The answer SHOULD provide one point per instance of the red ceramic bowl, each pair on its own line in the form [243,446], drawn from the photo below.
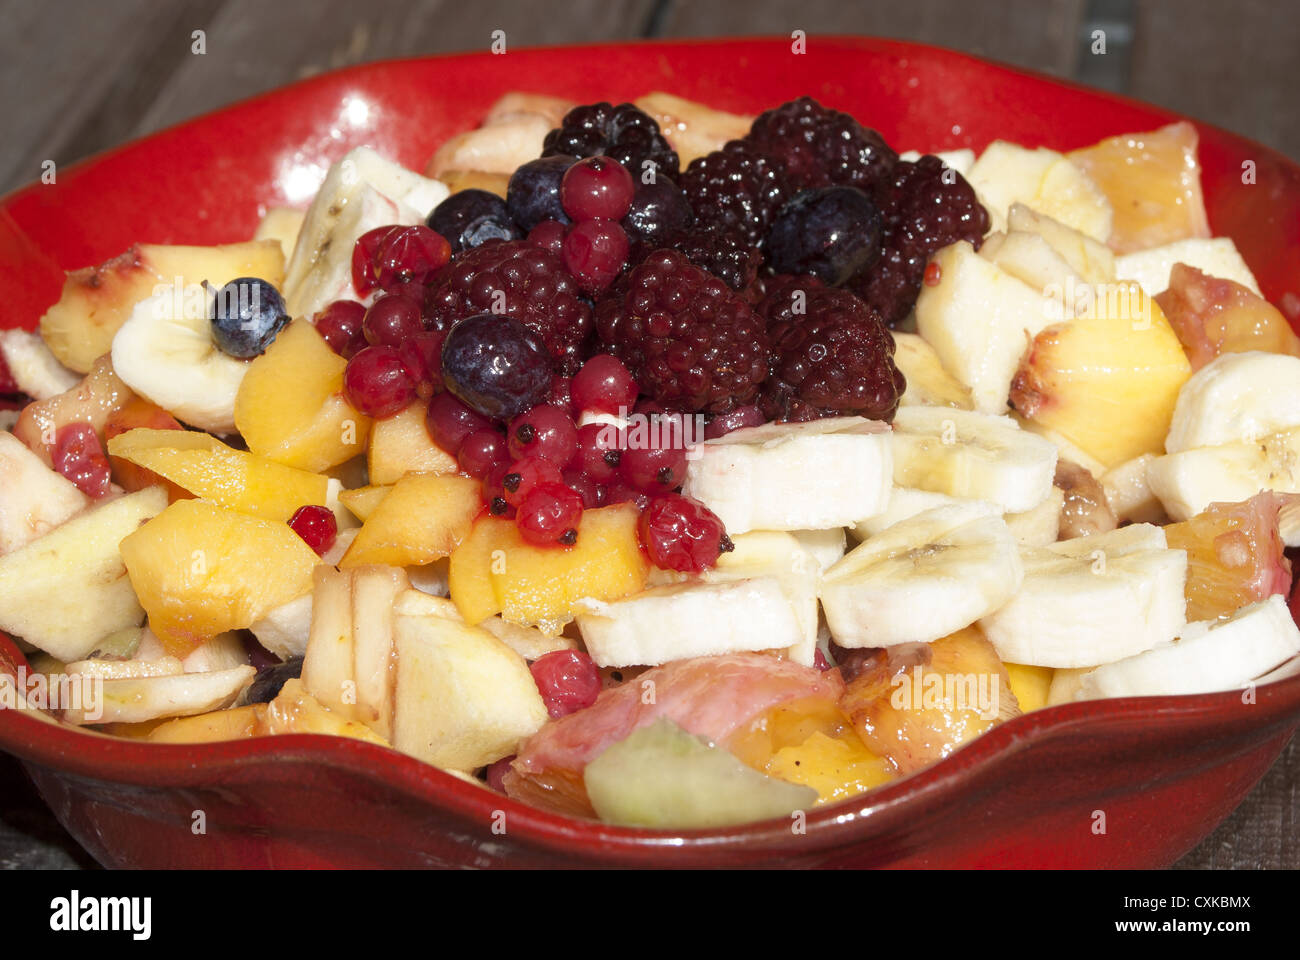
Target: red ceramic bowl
[1119,783]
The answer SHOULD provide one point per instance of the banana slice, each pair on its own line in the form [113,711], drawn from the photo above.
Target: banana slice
[681,621]
[794,476]
[928,383]
[825,546]
[976,456]
[1188,482]
[1128,491]
[35,370]
[1092,600]
[1207,656]
[1040,526]
[169,357]
[1032,528]
[362,191]
[1235,397]
[922,578]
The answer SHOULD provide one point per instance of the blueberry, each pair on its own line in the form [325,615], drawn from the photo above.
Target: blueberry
[496,365]
[831,233]
[266,685]
[534,191]
[659,209]
[472,217]
[247,314]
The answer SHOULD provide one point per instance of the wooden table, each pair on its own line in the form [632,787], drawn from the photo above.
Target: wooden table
[79,76]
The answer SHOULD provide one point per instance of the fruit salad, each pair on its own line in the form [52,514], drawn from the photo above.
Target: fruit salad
[661,465]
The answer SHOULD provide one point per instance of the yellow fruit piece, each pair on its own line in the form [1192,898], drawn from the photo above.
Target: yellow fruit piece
[540,585]
[692,128]
[281,224]
[363,500]
[422,519]
[231,478]
[458,180]
[1108,380]
[290,407]
[238,723]
[97,300]
[200,570]
[295,710]
[1030,685]
[1153,182]
[836,769]
[400,445]
[1213,316]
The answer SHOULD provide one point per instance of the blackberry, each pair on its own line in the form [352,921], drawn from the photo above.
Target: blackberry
[926,207]
[623,132]
[690,342]
[835,359]
[732,261]
[819,147]
[518,279]
[736,190]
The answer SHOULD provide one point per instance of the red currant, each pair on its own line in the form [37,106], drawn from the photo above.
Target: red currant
[79,456]
[594,252]
[599,451]
[682,534]
[449,422]
[592,493]
[390,257]
[604,384]
[549,514]
[525,474]
[422,354]
[597,188]
[562,395]
[653,469]
[544,431]
[482,451]
[568,680]
[340,325]
[378,383]
[550,235]
[391,320]
[620,492]
[317,526]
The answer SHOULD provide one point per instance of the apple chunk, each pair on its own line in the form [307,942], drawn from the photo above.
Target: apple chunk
[67,590]
[464,699]
[33,498]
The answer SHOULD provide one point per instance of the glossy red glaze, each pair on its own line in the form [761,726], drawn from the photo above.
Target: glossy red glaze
[1163,771]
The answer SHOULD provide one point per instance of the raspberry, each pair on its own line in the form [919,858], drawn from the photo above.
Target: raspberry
[690,342]
[731,260]
[521,280]
[736,190]
[922,214]
[837,358]
[623,132]
[819,147]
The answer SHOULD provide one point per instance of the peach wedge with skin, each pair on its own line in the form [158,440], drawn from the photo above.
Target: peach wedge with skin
[290,407]
[422,519]
[1107,381]
[200,570]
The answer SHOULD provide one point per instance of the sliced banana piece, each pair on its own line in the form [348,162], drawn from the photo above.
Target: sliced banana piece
[35,370]
[1235,397]
[825,546]
[922,578]
[928,383]
[972,455]
[907,502]
[794,476]
[1040,526]
[362,191]
[1092,600]
[1129,493]
[172,360]
[1188,482]
[1209,655]
[686,620]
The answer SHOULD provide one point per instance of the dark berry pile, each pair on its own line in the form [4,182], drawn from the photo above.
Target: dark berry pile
[924,211]
[819,147]
[755,285]
[831,355]
[623,132]
[737,190]
[690,341]
[521,280]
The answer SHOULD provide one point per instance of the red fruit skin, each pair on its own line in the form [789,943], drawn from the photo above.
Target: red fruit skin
[79,456]
[562,396]
[599,452]
[604,385]
[317,526]
[482,452]
[391,320]
[449,422]
[340,324]
[549,514]
[595,251]
[597,188]
[592,493]
[549,235]
[522,475]
[550,433]
[390,257]
[378,383]
[363,258]
[655,470]
[568,681]
[682,534]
